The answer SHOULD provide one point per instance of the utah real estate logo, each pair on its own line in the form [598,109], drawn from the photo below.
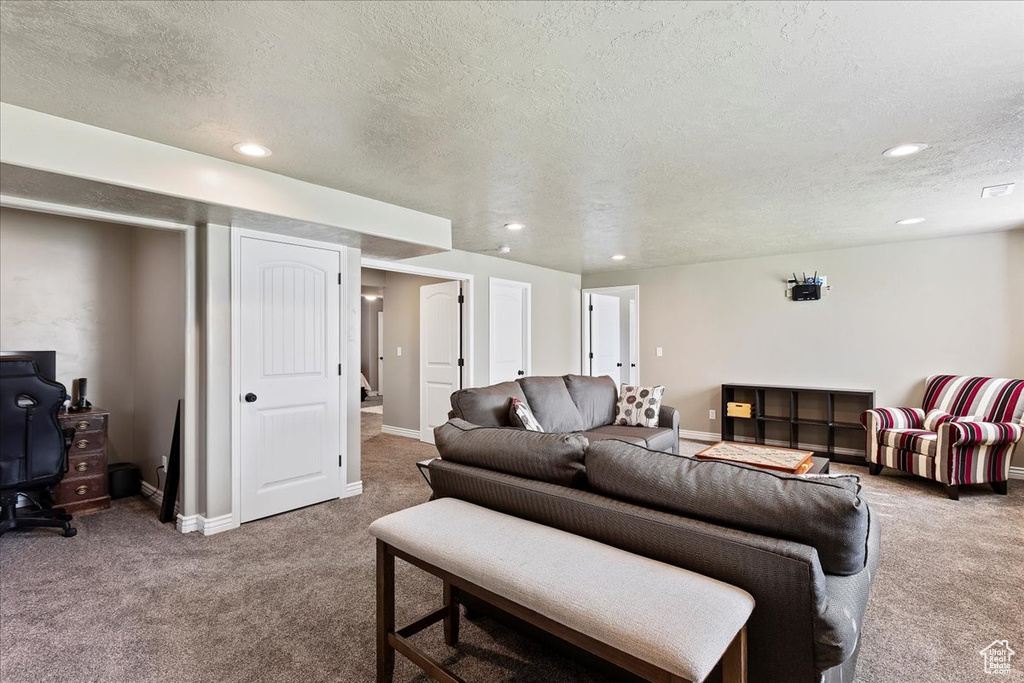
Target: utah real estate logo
[997,657]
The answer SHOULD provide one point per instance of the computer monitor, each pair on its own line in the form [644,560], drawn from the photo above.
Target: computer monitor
[46,361]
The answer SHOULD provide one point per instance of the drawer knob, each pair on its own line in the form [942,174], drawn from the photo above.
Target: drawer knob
[82,490]
[84,424]
[82,443]
[82,466]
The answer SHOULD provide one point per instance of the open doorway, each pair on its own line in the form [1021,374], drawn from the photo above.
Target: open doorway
[415,343]
[611,333]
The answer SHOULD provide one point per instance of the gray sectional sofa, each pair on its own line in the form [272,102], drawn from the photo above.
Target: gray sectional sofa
[805,548]
[573,403]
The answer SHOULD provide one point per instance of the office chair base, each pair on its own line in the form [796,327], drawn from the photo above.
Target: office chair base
[50,518]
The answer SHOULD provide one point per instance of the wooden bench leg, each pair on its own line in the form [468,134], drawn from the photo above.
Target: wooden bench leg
[385,613]
[451,619]
[734,661]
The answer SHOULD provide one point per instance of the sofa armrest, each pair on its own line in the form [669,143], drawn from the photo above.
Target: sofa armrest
[969,433]
[892,418]
[669,417]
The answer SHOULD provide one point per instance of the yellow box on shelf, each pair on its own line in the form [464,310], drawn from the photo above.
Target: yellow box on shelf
[737,409]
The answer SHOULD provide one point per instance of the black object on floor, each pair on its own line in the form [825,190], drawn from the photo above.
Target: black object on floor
[123,480]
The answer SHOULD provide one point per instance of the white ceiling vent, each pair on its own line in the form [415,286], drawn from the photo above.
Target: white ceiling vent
[997,190]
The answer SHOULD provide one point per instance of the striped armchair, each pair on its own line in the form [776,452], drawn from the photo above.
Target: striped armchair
[965,433]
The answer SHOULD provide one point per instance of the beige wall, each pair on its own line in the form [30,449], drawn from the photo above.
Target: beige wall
[402,329]
[67,285]
[110,300]
[158,329]
[897,313]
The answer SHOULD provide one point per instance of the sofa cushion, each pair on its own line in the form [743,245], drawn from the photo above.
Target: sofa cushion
[827,514]
[486,406]
[554,458]
[595,398]
[551,404]
[916,440]
[657,438]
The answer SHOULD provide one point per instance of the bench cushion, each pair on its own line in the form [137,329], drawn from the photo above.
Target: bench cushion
[826,513]
[554,458]
[672,618]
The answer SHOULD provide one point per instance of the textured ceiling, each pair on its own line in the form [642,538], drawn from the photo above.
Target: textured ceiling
[668,132]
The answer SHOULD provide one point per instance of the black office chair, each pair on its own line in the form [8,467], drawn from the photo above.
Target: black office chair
[33,447]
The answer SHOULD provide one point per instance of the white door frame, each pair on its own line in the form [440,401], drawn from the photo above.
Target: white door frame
[236,356]
[585,324]
[188,492]
[468,290]
[527,330]
[380,353]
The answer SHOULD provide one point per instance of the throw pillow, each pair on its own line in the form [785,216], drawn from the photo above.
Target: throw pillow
[639,406]
[934,418]
[520,415]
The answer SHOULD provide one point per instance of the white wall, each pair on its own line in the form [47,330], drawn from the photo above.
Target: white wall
[67,285]
[897,313]
[158,325]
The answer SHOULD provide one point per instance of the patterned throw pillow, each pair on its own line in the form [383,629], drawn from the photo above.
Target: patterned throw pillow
[639,406]
[936,417]
[520,415]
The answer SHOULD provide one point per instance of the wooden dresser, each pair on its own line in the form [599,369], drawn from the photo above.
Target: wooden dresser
[84,487]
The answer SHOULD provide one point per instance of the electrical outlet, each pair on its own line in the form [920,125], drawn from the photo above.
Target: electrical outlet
[658,352]
[713,414]
[163,463]
[399,351]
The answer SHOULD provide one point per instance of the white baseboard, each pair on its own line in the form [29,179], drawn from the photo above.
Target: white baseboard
[155,496]
[1017,473]
[208,526]
[187,523]
[353,489]
[713,437]
[401,431]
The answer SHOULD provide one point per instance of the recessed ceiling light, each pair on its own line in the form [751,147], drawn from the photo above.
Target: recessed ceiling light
[369,297]
[618,257]
[904,149]
[910,221]
[252,149]
[996,190]
[504,249]
[514,226]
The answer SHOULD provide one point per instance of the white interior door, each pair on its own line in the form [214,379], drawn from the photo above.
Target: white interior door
[291,401]
[380,352]
[509,330]
[605,336]
[440,373]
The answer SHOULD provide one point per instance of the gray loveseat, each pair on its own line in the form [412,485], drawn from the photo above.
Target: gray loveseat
[573,403]
[806,548]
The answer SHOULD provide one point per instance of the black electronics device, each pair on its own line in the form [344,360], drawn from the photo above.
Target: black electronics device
[806,292]
[123,479]
[81,402]
[46,361]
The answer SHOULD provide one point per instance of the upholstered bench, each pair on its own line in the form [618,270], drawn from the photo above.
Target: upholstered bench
[658,621]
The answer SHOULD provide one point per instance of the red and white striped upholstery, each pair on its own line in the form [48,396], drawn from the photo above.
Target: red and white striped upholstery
[966,432]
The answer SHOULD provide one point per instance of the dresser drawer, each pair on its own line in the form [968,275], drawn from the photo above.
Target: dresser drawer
[90,442]
[85,465]
[74,490]
[84,422]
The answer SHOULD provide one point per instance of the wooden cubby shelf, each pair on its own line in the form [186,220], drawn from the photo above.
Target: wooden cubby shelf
[816,409]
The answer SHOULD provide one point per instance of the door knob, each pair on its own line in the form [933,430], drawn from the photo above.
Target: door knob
[632,365]
[520,372]
[618,365]
[381,358]
[250,397]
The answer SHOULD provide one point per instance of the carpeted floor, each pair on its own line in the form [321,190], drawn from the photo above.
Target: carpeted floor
[291,598]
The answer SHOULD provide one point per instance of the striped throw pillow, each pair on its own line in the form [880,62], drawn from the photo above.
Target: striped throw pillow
[520,415]
[934,418]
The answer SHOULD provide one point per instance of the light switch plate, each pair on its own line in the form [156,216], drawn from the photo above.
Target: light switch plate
[658,351]
[399,350]
[713,414]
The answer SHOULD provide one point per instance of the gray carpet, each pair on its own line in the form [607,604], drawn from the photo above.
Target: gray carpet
[290,598]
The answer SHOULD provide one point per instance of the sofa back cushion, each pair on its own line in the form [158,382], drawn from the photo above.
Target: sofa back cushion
[486,406]
[594,397]
[988,399]
[826,513]
[551,404]
[554,458]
